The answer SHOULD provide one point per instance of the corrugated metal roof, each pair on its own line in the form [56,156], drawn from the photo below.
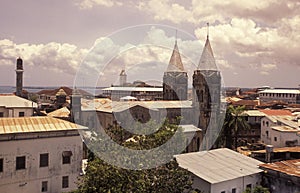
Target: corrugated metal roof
[254,113]
[106,105]
[13,101]
[35,124]
[218,165]
[276,112]
[290,167]
[280,149]
[62,112]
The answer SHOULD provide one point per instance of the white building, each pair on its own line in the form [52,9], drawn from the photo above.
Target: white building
[14,106]
[39,154]
[221,170]
[291,96]
[280,131]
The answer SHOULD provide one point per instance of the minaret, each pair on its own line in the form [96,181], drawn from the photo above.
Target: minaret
[123,78]
[175,80]
[206,95]
[19,77]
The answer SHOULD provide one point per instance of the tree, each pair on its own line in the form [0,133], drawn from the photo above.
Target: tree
[257,189]
[234,122]
[103,177]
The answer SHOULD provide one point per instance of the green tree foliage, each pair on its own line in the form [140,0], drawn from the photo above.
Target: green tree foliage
[103,177]
[234,123]
[257,189]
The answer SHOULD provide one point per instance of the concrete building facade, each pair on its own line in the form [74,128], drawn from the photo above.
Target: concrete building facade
[39,154]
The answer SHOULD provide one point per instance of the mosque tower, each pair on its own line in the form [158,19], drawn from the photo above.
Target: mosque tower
[19,77]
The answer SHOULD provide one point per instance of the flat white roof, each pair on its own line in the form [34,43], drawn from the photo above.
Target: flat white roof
[281,91]
[131,89]
[13,101]
[218,165]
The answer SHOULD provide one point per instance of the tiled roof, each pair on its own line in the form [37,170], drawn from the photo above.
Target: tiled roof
[289,167]
[218,165]
[35,124]
[175,63]
[207,60]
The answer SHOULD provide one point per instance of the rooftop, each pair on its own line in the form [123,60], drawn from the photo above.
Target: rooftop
[62,112]
[106,105]
[281,91]
[13,101]
[218,165]
[35,124]
[289,167]
[137,89]
[280,149]
[272,112]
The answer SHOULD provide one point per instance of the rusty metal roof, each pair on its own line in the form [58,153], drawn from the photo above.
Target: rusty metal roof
[281,149]
[35,124]
[289,167]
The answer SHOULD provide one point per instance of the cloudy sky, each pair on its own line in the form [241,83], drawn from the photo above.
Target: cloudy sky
[256,43]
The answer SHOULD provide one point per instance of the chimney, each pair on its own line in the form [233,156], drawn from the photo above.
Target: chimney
[269,151]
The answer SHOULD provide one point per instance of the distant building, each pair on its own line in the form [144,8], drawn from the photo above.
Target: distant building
[290,96]
[115,93]
[283,176]
[15,106]
[39,154]
[280,130]
[221,170]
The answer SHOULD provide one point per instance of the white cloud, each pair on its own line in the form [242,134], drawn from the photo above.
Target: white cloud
[52,56]
[88,4]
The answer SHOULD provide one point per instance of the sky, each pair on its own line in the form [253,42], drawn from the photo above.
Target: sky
[88,42]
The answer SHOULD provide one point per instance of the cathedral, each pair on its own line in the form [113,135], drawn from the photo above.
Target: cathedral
[206,89]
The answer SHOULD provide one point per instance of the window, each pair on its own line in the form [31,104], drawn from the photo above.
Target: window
[248,186]
[66,157]
[223,192]
[267,133]
[65,181]
[44,160]
[20,163]
[1,114]
[233,190]
[44,186]
[267,123]
[275,138]
[263,123]
[21,114]
[1,165]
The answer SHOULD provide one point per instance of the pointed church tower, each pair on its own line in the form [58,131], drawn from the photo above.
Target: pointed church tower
[19,77]
[206,95]
[175,80]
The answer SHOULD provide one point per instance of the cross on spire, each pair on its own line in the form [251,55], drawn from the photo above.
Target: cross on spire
[207,30]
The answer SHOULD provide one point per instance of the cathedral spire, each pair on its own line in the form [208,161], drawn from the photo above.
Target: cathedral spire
[175,63]
[207,60]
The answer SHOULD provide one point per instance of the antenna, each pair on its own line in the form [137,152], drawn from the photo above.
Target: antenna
[176,36]
[207,29]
